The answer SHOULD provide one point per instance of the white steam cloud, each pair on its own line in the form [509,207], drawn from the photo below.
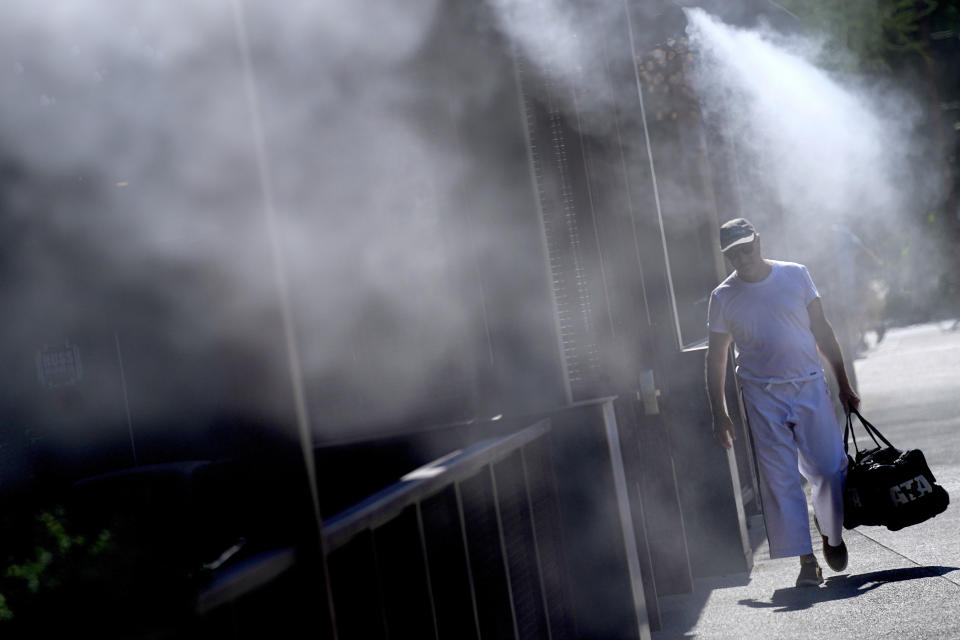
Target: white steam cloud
[834,150]
[816,152]
[130,174]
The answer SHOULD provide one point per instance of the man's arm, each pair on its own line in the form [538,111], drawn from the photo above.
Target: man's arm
[830,347]
[718,346]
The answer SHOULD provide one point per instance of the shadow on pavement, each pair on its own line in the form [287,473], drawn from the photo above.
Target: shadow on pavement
[842,587]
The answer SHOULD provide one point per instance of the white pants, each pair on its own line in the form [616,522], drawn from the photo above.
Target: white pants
[795,431]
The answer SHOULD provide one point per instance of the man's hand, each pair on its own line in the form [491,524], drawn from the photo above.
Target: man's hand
[723,430]
[827,342]
[849,399]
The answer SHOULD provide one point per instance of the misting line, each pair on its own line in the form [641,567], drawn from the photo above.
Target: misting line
[653,173]
[270,214]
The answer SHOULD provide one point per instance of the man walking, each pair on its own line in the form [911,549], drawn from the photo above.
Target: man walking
[772,312]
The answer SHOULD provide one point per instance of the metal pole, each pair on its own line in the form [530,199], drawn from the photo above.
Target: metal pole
[126,400]
[280,275]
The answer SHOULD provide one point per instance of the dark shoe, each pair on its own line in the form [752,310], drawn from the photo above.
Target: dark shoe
[836,557]
[810,575]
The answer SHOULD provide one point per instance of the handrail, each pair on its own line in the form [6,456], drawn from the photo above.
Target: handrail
[246,576]
[384,505]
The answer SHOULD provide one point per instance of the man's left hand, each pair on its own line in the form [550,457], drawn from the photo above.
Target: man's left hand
[849,399]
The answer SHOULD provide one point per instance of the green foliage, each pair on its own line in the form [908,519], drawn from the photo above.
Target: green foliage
[5,612]
[878,34]
[901,26]
[101,571]
[42,557]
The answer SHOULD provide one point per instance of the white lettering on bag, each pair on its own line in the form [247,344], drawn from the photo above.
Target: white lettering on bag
[911,490]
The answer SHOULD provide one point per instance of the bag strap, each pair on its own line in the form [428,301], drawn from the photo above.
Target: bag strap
[847,432]
[871,430]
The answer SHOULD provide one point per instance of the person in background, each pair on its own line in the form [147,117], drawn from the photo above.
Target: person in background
[771,311]
[857,293]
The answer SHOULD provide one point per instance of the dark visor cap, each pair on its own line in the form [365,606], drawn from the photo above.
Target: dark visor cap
[735,233]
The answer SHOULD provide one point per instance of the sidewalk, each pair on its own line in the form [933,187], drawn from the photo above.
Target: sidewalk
[903,584]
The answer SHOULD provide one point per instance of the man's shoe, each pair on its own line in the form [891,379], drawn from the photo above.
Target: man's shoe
[836,557]
[810,575]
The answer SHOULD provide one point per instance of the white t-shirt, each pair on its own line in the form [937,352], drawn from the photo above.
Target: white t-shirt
[769,323]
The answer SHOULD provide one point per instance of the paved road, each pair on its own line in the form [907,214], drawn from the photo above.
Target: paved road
[903,584]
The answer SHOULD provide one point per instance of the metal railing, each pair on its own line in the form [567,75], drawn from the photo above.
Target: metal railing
[465,547]
[525,535]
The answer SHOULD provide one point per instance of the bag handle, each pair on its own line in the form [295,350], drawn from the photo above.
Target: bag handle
[871,430]
[848,432]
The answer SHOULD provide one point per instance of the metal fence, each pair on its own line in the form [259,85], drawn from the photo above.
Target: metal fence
[523,535]
[465,547]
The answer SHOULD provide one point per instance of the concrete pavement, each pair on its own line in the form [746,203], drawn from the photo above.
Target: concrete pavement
[902,584]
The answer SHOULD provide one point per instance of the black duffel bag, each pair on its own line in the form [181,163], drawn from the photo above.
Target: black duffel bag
[886,486]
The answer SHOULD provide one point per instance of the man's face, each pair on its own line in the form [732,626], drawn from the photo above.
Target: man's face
[744,255]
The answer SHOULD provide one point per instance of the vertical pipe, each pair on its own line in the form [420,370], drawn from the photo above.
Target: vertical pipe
[426,570]
[626,518]
[653,174]
[466,553]
[503,549]
[126,400]
[280,276]
[536,543]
